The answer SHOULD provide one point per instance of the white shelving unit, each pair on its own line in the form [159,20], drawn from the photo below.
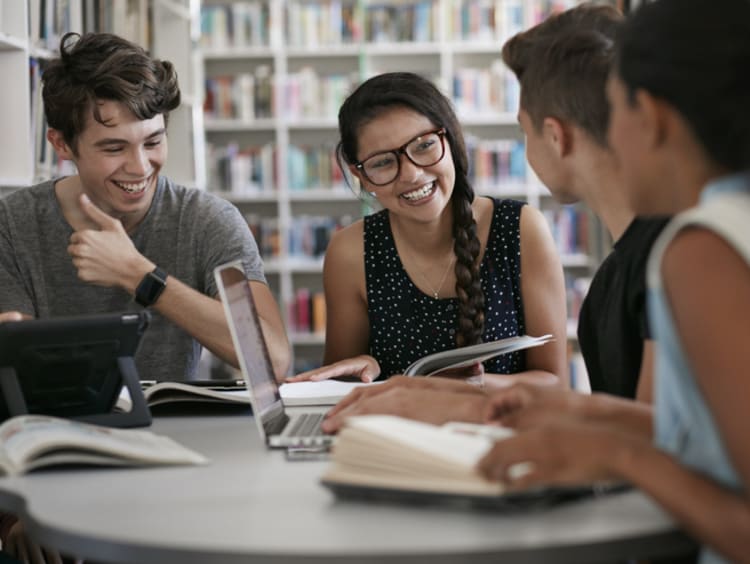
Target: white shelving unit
[176,25]
[16,163]
[440,56]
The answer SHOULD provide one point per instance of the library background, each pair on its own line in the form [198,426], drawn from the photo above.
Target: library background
[262,81]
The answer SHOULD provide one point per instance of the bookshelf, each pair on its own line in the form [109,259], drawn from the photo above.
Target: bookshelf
[30,31]
[276,73]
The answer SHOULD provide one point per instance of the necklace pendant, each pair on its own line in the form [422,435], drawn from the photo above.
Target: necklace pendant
[436,295]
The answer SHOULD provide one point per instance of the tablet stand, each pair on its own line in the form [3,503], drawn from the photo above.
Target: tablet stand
[138,416]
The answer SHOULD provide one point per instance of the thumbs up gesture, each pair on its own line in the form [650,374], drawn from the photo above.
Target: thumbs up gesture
[106,256]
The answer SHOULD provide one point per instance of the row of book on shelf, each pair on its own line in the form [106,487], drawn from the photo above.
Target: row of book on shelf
[342,22]
[247,96]
[49,20]
[307,236]
[306,312]
[239,24]
[571,228]
[236,171]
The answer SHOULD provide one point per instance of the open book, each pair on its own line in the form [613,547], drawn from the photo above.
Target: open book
[466,356]
[28,442]
[326,392]
[392,458]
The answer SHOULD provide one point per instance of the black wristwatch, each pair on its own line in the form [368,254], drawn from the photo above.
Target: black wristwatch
[151,287]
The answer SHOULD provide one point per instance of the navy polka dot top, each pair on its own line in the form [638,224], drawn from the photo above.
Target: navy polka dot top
[406,324]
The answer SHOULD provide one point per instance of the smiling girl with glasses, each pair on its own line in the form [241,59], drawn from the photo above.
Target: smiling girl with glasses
[437,268]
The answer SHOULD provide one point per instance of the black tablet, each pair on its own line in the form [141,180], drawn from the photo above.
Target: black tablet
[69,366]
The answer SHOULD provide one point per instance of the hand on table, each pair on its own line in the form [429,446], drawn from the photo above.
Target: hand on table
[565,453]
[523,405]
[364,367]
[419,402]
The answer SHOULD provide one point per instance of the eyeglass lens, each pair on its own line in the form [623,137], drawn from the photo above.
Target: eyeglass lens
[425,150]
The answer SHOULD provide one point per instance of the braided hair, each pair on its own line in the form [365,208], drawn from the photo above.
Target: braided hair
[403,89]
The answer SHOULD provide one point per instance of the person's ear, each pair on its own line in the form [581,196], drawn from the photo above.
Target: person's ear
[55,137]
[354,171]
[557,136]
[357,175]
[653,118]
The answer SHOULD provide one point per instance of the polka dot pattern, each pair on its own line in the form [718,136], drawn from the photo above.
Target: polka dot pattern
[406,324]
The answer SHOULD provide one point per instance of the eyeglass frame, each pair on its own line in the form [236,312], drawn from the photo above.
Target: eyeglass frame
[441,132]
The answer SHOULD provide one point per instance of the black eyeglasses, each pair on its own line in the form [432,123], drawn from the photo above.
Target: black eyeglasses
[425,149]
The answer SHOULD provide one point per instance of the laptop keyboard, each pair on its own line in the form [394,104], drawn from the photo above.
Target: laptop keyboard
[307,425]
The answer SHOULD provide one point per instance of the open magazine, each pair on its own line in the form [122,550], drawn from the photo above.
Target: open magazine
[384,457]
[28,442]
[466,356]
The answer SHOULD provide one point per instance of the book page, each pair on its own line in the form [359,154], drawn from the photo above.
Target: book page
[466,356]
[27,439]
[325,392]
[167,392]
[173,392]
[456,448]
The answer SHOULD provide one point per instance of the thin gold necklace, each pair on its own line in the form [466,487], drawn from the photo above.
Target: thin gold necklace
[435,292]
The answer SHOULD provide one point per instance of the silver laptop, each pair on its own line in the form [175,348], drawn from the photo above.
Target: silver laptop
[278,426]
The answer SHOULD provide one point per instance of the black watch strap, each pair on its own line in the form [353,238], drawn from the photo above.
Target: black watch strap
[151,287]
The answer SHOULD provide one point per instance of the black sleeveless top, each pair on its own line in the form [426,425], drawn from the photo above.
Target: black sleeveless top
[406,324]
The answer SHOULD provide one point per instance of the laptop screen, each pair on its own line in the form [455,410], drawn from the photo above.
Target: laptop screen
[248,339]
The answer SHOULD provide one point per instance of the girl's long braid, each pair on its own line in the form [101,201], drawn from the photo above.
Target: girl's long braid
[468,285]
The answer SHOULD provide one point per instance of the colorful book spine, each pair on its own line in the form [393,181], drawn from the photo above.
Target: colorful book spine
[308,235]
[242,171]
[235,25]
[243,96]
[570,229]
[307,311]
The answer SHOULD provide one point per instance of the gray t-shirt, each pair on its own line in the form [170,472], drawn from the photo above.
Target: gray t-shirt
[186,232]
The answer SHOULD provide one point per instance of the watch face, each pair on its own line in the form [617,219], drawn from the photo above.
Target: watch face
[151,287]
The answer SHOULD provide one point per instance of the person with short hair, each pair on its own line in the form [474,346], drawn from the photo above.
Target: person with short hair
[118,235]
[562,65]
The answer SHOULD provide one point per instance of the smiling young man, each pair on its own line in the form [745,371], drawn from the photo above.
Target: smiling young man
[118,236]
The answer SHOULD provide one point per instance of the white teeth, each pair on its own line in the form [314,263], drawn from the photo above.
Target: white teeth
[133,188]
[420,193]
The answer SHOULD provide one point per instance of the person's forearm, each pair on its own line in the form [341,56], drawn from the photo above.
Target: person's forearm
[530,376]
[458,385]
[625,415]
[715,515]
[471,408]
[198,315]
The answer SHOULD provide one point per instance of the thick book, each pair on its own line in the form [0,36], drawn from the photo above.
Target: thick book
[29,442]
[389,458]
[466,356]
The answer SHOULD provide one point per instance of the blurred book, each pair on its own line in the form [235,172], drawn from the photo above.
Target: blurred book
[28,442]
